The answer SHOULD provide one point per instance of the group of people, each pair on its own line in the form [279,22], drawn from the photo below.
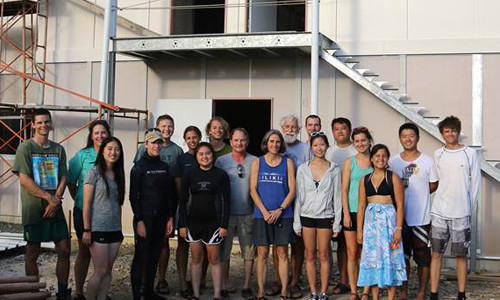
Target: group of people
[377,208]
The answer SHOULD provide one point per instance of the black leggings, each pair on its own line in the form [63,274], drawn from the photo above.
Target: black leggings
[147,253]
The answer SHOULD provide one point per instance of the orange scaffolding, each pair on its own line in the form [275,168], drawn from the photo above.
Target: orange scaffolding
[28,63]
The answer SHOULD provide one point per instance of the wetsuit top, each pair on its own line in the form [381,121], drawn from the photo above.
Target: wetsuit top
[385,187]
[151,188]
[204,195]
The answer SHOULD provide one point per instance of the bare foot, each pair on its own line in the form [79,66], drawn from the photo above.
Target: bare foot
[421,295]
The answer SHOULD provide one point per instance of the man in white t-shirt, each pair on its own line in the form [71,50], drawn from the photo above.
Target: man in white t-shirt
[338,153]
[418,173]
[459,174]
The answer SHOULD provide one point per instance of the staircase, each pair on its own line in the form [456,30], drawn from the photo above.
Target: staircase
[391,96]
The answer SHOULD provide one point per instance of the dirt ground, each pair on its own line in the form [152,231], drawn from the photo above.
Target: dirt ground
[12,264]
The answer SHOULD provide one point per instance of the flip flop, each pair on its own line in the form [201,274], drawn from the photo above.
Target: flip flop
[274,290]
[340,289]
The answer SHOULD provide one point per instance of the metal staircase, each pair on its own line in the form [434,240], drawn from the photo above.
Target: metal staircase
[391,96]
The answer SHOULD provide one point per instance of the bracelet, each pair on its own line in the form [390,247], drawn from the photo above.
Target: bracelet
[399,227]
[86,230]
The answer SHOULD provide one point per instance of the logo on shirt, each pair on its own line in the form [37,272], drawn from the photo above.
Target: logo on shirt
[156,172]
[271,177]
[408,171]
[204,185]
[45,170]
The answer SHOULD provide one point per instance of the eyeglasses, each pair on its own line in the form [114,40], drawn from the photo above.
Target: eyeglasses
[240,170]
[318,133]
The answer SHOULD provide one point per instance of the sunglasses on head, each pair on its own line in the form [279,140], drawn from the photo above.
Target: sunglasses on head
[152,129]
[240,170]
[318,133]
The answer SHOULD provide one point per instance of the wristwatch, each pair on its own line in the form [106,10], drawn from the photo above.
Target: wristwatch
[86,230]
[281,208]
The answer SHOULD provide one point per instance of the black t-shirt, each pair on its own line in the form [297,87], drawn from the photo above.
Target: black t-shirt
[208,194]
[186,162]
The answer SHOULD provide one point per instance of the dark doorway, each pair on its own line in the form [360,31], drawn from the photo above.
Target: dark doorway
[253,115]
[291,17]
[198,16]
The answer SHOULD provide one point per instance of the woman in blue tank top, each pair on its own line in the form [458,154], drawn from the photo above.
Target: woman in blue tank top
[272,187]
[354,169]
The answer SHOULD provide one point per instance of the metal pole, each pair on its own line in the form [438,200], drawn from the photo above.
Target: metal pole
[315,56]
[105,49]
[112,63]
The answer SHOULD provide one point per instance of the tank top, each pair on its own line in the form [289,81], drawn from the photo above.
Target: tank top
[272,187]
[356,174]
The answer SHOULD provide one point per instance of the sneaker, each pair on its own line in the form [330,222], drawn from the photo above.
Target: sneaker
[323,296]
[313,297]
[224,294]
[247,294]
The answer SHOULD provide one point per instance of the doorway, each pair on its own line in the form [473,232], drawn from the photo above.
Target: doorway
[253,115]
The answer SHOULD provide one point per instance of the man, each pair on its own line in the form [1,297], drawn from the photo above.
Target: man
[237,165]
[338,153]
[419,177]
[299,153]
[313,124]
[168,153]
[40,165]
[217,130]
[459,175]
[151,199]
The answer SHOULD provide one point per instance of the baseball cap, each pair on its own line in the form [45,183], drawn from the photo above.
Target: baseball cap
[153,136]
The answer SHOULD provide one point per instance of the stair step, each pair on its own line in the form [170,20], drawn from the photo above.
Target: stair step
[433,119]
[418,109]
[386,86]
[348,59]
[494,163]
[367,72]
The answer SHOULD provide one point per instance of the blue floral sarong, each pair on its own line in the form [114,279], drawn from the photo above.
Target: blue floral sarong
[380,265]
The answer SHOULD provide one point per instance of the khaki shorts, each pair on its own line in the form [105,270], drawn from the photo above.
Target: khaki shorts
[241,226]
[456,229]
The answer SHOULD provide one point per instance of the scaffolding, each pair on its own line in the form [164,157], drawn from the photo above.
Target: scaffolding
[24,28]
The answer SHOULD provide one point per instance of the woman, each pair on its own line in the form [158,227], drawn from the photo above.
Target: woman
[206,188]
[272,187]
[103,195]
[318,211]
[79,165]
[354,169]
[379,226]
[217,131]
[185,162]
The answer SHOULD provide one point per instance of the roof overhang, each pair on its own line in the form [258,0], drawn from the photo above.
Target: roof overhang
[248,45]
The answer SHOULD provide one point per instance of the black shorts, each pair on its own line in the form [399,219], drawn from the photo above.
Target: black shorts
[206,231]
[416,243]
[354,222]
[107,237]
[317,223]
[78,222]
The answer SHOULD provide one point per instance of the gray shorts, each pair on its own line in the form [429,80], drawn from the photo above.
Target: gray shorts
[459,231]
[242,227]
[280,233]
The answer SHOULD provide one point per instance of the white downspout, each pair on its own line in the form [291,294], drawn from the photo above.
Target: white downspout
[315,56]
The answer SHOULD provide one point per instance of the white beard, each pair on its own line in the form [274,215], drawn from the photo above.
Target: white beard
[290,139]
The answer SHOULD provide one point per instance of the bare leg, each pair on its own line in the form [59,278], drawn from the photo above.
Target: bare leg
[31,258]
[225,273]
[391,293]
[436,261]
[297,260]
[215,266]
[342,260]
[181,259]
[323,241]
[63,249]
[81,267]
[423,280]
[309,237]
[375,292]
[462,273]
[404,287]
[197,254]
[100,259]
[248,264]
[352,259]
[112,250]
[262,254]
[283,267]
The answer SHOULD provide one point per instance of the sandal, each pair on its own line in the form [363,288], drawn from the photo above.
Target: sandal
[284,297]
[296,292]
[340,288]
[365,295]
[186,294]
[162,287]
[274,290]
[355,296]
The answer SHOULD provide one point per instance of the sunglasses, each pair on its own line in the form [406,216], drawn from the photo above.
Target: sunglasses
[240,170]
[318,133]
[152,129]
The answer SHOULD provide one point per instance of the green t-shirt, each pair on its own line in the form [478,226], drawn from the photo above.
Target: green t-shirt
[46,166]
[168,154]
[79,165]
[225,150]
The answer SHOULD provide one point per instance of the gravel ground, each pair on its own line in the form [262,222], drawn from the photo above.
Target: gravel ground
[12,264]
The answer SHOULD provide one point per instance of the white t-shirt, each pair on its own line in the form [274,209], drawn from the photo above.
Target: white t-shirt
[338,155]
[459,173]
[416,176]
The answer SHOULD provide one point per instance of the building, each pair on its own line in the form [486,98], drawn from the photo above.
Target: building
[194,58]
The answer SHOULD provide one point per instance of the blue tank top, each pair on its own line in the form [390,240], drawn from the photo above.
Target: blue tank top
[272,186]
